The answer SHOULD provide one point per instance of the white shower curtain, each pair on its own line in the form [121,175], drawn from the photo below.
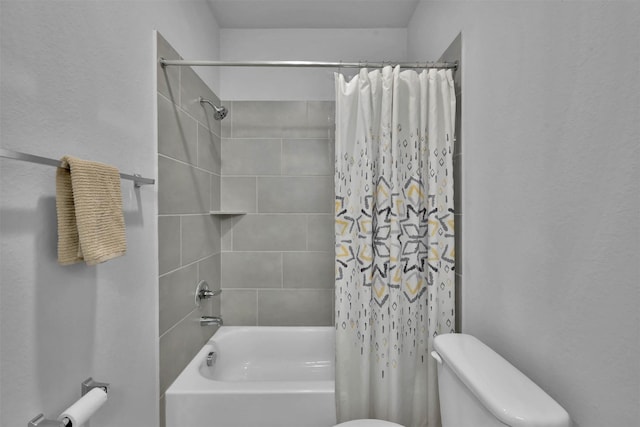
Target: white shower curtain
[394,226]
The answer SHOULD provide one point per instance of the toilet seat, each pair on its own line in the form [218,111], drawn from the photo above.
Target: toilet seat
[368,423]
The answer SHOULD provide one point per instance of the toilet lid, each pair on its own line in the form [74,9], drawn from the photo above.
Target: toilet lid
[368,423]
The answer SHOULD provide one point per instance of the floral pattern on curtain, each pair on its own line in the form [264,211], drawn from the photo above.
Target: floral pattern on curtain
[394,231]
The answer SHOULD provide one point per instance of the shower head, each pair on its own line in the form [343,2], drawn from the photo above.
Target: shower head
[219,112]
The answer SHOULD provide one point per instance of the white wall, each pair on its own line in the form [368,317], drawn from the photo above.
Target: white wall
[303,84]
[551,209]
[79,78]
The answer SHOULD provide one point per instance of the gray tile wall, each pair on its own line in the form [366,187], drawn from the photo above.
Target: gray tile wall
[189,237]
[452,54]
[277,260]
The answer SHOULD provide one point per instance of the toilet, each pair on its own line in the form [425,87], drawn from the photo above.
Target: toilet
[368,423]
[478,388]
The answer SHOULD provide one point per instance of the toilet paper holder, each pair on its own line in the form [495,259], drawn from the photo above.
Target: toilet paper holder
[41,421]
[85,387]
[89,383]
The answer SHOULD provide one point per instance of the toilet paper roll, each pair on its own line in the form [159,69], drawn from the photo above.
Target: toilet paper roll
[80,412]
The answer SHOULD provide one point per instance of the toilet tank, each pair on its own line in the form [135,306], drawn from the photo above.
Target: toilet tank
[479,388]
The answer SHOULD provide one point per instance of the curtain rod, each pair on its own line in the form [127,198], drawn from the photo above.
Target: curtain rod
[307,64]
[16,155]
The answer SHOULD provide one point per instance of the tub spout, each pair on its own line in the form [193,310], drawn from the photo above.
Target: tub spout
[210,321]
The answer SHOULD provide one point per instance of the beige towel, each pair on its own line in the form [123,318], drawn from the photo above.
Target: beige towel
[89,206]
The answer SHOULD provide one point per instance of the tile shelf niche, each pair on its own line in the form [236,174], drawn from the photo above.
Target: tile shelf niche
[227,213]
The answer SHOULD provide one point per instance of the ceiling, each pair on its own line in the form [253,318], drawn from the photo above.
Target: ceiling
[313,13]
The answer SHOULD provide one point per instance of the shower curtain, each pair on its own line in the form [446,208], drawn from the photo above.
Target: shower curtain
[394,231]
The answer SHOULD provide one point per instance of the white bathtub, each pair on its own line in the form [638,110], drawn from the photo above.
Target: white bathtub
[262,377]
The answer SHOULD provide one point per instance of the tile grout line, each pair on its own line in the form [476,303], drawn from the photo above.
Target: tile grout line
[176,324]
[191,165]
[179,86]
[205,125]
[185,214]
[189,115]
[281,157]
[255,183]
[180,241]
[307,233]
[211,208]
[188,265]
[197,144]
[232,120]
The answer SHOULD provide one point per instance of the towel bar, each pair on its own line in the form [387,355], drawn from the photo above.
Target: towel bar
[138,181]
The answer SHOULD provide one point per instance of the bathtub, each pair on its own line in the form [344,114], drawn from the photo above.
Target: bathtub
[262,377]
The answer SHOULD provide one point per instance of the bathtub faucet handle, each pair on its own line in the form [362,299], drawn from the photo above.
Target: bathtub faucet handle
[205,293]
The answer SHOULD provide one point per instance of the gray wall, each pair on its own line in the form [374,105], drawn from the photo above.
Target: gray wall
[277,260]
[188,236]
[77,78]
[550,180]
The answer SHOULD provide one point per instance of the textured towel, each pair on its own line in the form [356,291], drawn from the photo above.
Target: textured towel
[89,206]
